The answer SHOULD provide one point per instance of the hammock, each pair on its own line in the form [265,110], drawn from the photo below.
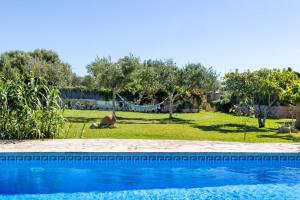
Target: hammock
[141,108]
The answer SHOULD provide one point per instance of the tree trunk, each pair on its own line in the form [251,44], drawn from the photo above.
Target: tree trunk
[261,122]
[171,107]
[266,111]
[297,123]
[261,117]
[114,104]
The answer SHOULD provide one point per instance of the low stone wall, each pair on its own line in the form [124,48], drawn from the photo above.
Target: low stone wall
[281,111]
[88,104]
[276,112]
[190,110]
[92,104]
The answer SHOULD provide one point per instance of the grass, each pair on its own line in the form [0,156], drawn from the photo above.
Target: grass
[211,126]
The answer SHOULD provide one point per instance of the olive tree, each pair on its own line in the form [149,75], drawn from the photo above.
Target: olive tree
[114,76]
[164,75]
[261,89]
[170,82]
[292,94]
[199,79]
[149,76]
[161,75]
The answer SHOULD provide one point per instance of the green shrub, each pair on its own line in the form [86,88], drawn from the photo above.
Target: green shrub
[29,109]
[222,105]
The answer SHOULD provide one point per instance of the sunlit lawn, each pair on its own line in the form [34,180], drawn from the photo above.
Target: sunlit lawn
[186,126]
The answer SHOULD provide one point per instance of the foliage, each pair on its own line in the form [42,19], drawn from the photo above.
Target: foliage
[114,77]
[292,94]
[86,82]
[262,88]
[76,80]
[197,77]
[295,72]
[41,63]
[164,75]
[29,109]
[56,74]
[149,77]
[222,105]
[13,63]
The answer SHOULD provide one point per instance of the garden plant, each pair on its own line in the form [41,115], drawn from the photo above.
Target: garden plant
[29,109]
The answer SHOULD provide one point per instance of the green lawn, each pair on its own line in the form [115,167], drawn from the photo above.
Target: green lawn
[186,126]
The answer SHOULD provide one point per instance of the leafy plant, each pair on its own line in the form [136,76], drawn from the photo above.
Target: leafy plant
[29,109]
[223,105]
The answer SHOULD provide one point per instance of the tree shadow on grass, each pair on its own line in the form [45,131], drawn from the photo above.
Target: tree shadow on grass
[232,128]
[239,128]
[81,119]
[128,120]
[283,123]
[283,136]
[175,120]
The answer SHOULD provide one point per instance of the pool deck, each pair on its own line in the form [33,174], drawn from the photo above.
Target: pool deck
[134,145]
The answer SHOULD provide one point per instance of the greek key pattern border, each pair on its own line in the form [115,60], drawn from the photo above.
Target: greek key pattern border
[148,157]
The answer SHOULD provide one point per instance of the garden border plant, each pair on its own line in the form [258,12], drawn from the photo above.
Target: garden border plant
[29,109]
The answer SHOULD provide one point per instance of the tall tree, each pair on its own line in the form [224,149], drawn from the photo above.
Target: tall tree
[88,82]
[261,88]
[199,79]
[162,75]
[149,77]
[56,74]
[76,80]
[41,62]
[114,77]
[46,55]
[13,63]
[292,95]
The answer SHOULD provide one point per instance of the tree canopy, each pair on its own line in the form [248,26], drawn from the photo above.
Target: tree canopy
[169,80]
[292,94]
[40,63]
[151,77]
[261,88]
[114,77]
[166,76]
[198,78]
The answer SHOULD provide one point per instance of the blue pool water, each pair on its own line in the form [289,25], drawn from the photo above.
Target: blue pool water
[149,176]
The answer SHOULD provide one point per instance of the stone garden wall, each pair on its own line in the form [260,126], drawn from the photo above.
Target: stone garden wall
[93,104]
[281,111]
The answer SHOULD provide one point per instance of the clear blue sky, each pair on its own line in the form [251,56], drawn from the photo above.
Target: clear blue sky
[225,34]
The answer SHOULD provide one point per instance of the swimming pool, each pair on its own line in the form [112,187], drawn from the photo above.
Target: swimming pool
[149,176]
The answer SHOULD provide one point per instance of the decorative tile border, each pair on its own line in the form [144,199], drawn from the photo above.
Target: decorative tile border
[148,157]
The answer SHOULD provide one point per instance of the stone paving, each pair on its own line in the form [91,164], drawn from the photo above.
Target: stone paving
[134,145]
